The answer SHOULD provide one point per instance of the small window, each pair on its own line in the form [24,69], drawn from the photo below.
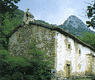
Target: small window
[67,64]
[79,52]
[68,46]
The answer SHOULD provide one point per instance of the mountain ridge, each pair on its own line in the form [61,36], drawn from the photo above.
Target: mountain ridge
[75,26]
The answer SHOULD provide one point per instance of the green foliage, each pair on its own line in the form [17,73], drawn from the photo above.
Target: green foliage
[41,64]
[3,54]
[17,76]
[8,26]
[8,5]
[36,67]
[17,61]
[45,24]
[91,15]
[88,38]
[11,23]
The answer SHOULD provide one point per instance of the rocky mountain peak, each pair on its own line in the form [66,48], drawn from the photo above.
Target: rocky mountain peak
[75,22]
[75,26]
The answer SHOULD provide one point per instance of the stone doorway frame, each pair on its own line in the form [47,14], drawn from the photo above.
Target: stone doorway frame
[68,69]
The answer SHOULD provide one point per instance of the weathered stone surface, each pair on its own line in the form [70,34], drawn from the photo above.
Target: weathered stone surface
[20,40]
[93,65]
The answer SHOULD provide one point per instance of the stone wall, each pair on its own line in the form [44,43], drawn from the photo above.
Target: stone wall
[43,38]
[93,65]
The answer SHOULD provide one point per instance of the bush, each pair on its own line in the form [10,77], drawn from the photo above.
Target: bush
[36,67]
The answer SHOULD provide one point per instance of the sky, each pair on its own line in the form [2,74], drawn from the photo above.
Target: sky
[55,11]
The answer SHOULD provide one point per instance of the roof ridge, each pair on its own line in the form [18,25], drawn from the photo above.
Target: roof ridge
[56,28]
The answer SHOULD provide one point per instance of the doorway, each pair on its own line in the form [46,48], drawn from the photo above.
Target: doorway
[68,70]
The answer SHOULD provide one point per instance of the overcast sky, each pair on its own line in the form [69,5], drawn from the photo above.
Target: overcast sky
[55,11]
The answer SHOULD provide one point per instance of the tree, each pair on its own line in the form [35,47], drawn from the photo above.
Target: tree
[7,6]
[91,14]
[7,9]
